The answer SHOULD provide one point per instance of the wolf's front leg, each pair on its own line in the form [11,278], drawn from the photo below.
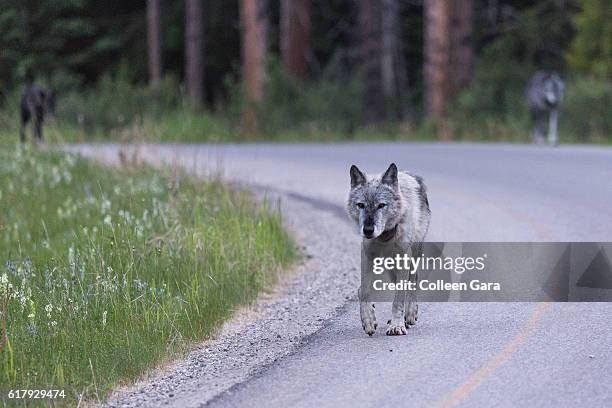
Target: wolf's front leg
[412,313]
[368,315]
[396,324]
[537,133]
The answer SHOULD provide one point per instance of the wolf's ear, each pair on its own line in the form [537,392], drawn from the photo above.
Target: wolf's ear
[390,176]
[357,177]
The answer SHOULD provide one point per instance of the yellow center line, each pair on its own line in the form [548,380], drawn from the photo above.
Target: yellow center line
[474,380]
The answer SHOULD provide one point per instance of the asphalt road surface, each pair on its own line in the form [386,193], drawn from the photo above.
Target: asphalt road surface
[458,354]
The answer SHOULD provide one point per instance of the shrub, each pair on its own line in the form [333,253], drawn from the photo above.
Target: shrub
[116,103]
[294,110]
[587,111]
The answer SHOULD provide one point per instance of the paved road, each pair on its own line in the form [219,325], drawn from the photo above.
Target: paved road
[477,354]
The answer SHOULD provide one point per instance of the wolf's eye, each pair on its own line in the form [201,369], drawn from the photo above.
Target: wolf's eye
[381,205]
[360,205]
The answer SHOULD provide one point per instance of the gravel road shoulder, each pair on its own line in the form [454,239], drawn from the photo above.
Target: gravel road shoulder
[275,326]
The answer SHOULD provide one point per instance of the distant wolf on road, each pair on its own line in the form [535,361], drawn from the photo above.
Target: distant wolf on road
[544,97]
[389,209]
[36,104]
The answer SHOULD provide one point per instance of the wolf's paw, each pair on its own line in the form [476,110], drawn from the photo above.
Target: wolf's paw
[369,326]
[368,319]
[412,315]
[396,329]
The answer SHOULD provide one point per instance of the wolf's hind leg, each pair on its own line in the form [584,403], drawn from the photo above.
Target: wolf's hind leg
[38,124]
[411,314]
[537,133]
[25,117]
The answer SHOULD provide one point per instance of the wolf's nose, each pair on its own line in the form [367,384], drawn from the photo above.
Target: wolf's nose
[368,231]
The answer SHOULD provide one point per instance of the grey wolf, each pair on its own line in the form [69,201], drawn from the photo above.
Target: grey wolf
[36,104]
[544,97]
[389,209]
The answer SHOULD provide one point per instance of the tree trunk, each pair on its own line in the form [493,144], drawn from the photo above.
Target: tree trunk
[154,41]
[295,37]
[369,22]
[394,81]
[254,21]
[254,15]
[437,56]
[462,44]
[194,40]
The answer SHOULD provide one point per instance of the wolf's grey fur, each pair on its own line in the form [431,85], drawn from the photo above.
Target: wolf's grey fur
[36,104]
[544,97]
[390,209]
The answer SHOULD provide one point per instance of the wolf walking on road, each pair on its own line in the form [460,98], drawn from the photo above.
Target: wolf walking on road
[391,210]
[544,97]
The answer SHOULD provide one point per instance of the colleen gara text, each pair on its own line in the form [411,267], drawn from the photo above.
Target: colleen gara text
[438,285]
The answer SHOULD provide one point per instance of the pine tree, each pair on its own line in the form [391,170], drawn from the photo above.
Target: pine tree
[154,41]
[194,39]
[295,37]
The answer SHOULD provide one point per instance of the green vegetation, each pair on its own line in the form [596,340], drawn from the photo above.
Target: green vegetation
[493,107]
[108,272]
[591,49]
[95,56]
[116,110]
[496,114]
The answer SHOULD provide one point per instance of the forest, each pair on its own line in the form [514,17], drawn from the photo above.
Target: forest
[310,70]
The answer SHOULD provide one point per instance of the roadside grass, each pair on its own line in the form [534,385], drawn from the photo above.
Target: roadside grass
[109,272]
[189,127]
[186,126]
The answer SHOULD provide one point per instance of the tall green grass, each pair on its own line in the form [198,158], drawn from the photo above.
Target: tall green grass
[106,273]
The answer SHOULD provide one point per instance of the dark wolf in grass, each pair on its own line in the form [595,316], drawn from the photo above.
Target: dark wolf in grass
[544,97]
[390,210]
[36,105]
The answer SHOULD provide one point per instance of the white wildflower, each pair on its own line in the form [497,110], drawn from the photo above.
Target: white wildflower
[56,177]
[6,288]
[71,257]
[67,176]
[70,160]
[49,309]
[106,205]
